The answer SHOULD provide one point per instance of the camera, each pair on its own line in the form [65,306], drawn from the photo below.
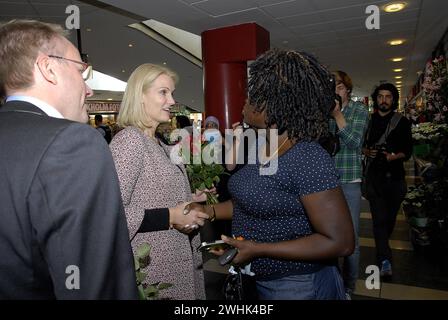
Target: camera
[338,98]
[380,147]
[380,156]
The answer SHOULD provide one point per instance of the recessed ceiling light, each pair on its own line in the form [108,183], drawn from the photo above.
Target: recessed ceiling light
[395,7]
[398,70]
[130,45]
[398,59]
[396,42]
[398,77]
[109,99]
[164,63]
[398,82]
[122,70]
[88,29]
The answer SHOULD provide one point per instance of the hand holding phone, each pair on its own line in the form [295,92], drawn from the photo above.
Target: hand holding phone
[216,245]
[228,256]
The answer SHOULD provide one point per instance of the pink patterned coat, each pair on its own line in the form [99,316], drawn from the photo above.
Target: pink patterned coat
[148,179]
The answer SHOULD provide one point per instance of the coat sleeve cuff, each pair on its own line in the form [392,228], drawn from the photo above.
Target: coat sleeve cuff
[155,220]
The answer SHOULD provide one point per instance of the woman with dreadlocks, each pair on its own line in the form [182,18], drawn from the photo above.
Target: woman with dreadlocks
[295,222]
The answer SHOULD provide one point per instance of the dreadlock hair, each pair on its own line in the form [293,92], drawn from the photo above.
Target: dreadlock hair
[297,92]
[392,89]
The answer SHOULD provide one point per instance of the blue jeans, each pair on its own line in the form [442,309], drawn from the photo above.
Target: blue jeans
[350,270]
[325,284]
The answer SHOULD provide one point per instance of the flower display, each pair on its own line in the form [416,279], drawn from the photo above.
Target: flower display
[435,88]
[415,197]
[424,132]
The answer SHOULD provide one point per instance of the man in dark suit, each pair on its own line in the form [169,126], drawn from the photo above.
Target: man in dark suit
[63,232]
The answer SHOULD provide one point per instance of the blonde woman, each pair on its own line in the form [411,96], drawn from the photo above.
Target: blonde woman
[155,191]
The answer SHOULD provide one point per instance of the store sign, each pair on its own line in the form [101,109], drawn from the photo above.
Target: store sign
[102,107]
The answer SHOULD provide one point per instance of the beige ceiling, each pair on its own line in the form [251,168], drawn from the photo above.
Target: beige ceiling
[333,30]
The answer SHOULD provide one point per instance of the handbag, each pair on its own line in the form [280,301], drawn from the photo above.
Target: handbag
[238,286]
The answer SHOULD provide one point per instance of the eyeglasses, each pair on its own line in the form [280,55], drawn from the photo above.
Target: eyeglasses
[86,71]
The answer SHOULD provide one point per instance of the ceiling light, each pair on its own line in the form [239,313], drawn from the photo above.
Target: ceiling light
[395,7]
[398,82]
[109,99]
[396,42]
[164,63]
[88,29]
[122,70]
[130,45]
[398,70]
[397,59]
[398,77]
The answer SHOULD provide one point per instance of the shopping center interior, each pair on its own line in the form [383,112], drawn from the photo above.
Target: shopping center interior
[358,36]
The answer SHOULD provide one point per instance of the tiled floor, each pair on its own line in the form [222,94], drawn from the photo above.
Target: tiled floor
[418,273]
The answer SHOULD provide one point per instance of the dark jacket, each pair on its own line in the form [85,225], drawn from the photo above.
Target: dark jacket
[398,140]
[60,210]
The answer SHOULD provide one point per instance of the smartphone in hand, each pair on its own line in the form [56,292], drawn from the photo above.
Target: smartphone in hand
[216,245]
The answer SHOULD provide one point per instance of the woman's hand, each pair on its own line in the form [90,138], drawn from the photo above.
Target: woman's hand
[185,217]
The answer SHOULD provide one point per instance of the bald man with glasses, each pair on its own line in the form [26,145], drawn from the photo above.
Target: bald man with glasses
[63,233]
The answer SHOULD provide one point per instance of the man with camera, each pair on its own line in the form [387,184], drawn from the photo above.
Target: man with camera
[388,143]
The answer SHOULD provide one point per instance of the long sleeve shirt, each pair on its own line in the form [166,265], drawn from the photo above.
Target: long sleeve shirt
[348,159]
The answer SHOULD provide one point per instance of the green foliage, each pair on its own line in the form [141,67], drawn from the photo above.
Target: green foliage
[204,176]
[141,261]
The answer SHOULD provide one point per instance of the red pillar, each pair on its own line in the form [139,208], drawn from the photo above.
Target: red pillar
[225,52]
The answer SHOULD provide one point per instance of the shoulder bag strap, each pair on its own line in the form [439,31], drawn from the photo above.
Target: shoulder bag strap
[390,127]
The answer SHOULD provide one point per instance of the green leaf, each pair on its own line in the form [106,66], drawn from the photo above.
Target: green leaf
[209,183]
[140,276]
[143,251]
[136,264]
[141,293]
[164,285]
[151,290]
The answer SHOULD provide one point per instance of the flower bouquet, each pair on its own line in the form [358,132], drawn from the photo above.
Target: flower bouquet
[203,164]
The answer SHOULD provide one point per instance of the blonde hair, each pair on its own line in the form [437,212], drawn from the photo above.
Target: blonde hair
[132,112]
[20,44]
